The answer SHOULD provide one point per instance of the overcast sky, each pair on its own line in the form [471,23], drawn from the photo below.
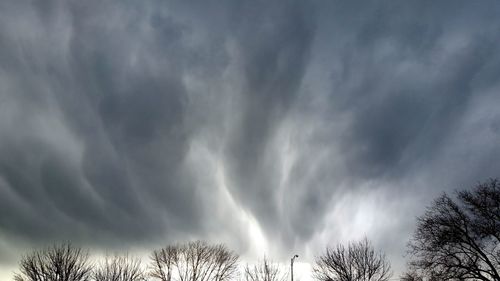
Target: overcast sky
[275,127]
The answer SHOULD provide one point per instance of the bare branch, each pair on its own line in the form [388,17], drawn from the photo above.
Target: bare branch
[119,268]
[265,270]
[458,239]
[194,261]
[357,262]
[59,263]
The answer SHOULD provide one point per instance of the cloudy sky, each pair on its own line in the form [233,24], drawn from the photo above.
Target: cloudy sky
[275,127]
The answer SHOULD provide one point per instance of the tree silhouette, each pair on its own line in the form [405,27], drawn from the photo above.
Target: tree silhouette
[163,263]
[119,268]
[265,270]
[356,262]
[411,275]
[459,239]
[194,261]
[57,263]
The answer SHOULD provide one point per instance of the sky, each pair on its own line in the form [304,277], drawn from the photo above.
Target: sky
[274,127]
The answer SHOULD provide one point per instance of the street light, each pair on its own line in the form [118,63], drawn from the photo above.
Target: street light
[291,265]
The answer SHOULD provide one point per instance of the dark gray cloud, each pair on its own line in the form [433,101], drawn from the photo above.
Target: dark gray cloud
[264,125]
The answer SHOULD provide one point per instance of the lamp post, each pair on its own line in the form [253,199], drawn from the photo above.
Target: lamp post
[291,266]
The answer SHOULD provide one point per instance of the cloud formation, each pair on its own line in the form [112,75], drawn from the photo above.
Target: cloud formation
[271,126]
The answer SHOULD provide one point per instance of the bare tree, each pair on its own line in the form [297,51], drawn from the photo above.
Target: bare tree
[356,262]
[459,239]
[194,261]
[57,263]
[411,275]
[264,271]
[119,268]
[226,263]
[163,263]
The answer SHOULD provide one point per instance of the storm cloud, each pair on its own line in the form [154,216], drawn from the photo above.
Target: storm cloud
[271,126]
